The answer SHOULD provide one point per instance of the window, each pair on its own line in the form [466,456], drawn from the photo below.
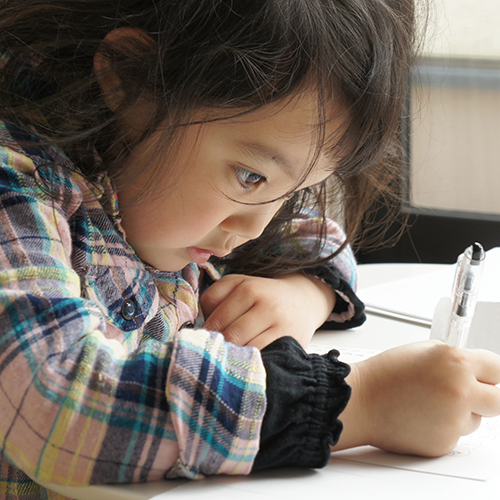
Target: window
[451,185]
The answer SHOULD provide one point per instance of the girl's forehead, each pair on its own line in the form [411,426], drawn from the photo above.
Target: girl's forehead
[305,106]
[299,112]
[297,125]
[301,119]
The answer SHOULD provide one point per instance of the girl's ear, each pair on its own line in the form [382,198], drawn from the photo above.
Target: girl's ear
[130,42]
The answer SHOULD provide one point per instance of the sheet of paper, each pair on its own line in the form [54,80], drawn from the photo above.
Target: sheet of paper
[418,296]
[476,456]
[411,296]
[355,481]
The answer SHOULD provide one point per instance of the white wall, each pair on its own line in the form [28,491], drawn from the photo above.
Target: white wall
[455,143]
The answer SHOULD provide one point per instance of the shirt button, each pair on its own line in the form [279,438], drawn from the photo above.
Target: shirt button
[187,324]
[129,309]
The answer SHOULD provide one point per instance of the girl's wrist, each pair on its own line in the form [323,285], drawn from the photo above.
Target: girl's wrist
[321,296]
[328,294]
[355,417]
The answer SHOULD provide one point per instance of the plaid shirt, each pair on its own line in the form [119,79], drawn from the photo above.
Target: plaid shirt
[100,380]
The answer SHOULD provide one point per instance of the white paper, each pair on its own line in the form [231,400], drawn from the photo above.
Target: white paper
[418,295]
[475,457]
[300,484]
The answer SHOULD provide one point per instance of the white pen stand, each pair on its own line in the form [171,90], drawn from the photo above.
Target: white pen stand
[485,327]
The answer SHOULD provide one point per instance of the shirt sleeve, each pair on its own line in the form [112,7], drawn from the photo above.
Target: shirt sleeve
[339,273]
[79,408]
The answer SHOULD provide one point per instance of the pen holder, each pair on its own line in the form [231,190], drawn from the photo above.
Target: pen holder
[485,327]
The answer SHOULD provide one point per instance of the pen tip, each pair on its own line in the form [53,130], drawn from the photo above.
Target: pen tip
[477,251]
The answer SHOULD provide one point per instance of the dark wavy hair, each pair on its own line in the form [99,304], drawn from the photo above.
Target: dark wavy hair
[231,55]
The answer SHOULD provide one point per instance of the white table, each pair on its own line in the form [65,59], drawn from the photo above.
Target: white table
[341,478]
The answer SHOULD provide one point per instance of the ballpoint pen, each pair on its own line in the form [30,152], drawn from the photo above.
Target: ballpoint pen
[464,294]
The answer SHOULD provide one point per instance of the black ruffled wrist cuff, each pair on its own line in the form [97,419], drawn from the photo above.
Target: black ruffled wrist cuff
[305,395]
[331,277]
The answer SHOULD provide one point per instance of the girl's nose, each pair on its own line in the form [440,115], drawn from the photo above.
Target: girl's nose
[249,222]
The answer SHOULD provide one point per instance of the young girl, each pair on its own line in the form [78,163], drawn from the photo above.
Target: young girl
[157,151]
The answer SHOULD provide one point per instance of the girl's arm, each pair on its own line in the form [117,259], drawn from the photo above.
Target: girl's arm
[416,399]
[256,311]
[420,398]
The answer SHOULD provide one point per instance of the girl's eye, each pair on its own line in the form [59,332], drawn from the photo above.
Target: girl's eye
[247,179]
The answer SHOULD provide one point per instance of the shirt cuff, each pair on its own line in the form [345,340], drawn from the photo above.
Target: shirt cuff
[305,395]
[349,311]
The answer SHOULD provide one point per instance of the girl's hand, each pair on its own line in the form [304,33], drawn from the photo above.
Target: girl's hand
[420,398]
[256,311]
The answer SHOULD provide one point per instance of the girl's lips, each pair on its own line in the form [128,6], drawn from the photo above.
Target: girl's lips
[201,255]
[198,255]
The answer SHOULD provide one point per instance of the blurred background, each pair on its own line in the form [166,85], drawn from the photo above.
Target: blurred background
[450,184]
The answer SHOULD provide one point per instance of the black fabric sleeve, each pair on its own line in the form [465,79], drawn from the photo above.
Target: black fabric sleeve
[305,395]
[331,277]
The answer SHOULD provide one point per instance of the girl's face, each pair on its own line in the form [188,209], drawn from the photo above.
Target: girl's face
[219,168]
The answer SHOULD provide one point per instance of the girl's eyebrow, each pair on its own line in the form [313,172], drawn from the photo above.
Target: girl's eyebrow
[264,153]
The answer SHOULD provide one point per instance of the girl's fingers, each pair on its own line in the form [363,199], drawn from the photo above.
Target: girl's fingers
[472,425]
[246,328]
[216,294]
[486,368]
[222,304]
[225,315]
[265,338]
[485,365]
[486,401]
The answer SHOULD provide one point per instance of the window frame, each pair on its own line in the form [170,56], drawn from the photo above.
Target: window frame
[435,235]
